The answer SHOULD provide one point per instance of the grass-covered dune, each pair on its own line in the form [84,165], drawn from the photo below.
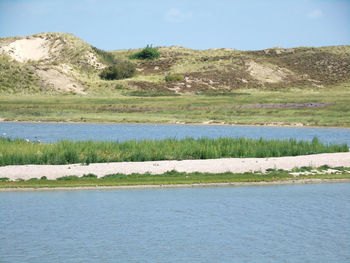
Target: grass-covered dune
[68,65]
[18,152]
[72,81]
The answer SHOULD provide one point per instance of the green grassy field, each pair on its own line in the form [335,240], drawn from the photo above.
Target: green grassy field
[168,178]
[244,106]
[16,152]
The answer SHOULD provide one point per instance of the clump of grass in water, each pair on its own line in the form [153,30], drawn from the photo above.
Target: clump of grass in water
[18,151]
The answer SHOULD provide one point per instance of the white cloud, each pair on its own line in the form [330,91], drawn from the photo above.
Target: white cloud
[174,15]
[315,14]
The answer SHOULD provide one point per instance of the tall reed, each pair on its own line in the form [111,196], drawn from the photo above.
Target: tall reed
[66,152]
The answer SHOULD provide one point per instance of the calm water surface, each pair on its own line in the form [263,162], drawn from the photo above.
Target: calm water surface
[51,132]
[295,223]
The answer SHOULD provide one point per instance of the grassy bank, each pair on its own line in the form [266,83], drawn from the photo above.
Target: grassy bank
[168,178]
[244,106]
[15,152]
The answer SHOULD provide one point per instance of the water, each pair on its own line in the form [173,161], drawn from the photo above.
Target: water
[297,223]
[291,223]
[51,132]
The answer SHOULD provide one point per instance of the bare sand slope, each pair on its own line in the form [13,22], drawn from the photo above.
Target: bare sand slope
[235,165]
[28,49]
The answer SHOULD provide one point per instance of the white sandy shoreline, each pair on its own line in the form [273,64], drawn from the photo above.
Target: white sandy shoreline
[234,165]
[167,186]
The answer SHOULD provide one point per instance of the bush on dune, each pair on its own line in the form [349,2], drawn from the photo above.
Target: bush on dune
[173,78]
[148,53]
[119,70]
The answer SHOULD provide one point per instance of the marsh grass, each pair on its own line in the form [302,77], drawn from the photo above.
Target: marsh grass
[18,151]
[303,169]
[168,178]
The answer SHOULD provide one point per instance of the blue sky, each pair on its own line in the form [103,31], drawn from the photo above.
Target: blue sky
[198,24]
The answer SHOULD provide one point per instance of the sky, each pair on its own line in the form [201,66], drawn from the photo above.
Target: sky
[197,24]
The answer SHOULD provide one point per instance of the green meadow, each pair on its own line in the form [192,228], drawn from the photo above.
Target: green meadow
[245,107]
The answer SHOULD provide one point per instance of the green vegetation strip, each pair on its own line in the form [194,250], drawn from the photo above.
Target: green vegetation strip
[114,102]
[17,152]
[168,178]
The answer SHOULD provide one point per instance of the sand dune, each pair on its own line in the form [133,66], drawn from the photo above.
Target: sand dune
[28,49]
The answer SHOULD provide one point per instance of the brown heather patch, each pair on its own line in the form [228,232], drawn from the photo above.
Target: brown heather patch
[218,80]
[312,64]
[157,66]
[147,86]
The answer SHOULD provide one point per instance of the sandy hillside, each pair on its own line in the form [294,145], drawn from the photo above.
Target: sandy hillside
[22,50]
[49,59]
[60,81]
[235,165]
[268,74]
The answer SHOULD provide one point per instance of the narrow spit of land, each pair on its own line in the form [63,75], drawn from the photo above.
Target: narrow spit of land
[215,166]
[174,179]
[169,162]
[17,187]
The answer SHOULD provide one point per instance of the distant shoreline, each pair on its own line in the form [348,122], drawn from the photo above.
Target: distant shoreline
[180,124]
[167,186]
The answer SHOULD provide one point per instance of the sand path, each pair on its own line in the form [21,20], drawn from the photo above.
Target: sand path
[235,165]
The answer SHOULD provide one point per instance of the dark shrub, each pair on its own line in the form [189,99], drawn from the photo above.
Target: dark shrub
[120,70]
[324,167]
[172,78]
[4,179]
[148,53]
[117,69]
[68,178]
[89,176]
[33,179]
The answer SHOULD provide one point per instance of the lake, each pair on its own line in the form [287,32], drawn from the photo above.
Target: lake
[289,223]
[51,132]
